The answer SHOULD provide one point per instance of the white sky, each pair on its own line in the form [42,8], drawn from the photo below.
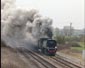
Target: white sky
[61,11]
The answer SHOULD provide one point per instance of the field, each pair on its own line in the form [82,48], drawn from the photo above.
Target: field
[75,52]
[82,47]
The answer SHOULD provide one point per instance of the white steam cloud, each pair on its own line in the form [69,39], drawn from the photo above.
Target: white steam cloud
[19,25]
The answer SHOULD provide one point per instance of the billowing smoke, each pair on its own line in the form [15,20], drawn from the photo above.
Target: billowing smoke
[42,27]
[18,25]
[7,7]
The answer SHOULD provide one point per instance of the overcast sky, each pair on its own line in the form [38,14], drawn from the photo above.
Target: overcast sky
[61,11]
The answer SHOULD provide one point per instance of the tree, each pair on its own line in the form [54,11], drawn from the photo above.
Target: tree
[60,39]
[56,31]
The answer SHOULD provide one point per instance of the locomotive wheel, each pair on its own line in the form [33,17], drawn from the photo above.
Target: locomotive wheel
[45,51]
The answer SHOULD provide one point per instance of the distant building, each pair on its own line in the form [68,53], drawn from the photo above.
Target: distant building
[68,31]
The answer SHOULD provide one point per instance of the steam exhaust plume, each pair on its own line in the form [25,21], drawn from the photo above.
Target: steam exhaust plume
[21,27]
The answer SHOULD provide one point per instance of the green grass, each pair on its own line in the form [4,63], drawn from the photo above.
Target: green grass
[79,48]
[82,44]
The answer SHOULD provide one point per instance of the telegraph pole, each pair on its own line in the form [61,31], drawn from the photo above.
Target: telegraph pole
[70,29]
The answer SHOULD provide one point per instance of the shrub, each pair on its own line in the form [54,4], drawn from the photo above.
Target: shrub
[60,39]
[74,44]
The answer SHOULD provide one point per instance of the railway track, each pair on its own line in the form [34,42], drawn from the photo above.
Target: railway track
[45,63]
[63,62]
[66,63]
[52,62]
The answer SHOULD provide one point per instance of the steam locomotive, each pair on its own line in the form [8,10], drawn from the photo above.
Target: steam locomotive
[47,46]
